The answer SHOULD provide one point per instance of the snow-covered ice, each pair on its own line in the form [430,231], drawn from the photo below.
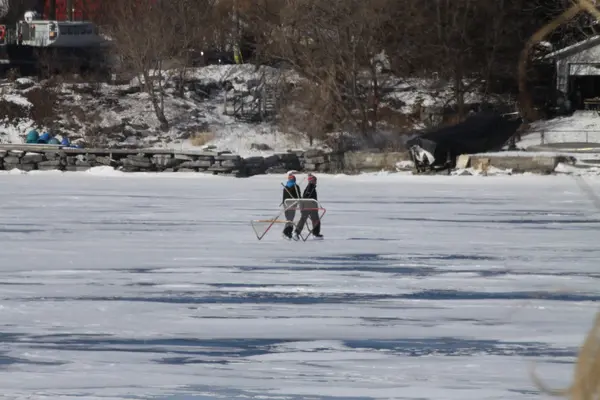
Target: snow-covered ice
[129,286]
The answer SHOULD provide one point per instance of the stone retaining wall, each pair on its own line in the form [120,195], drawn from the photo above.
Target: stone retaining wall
[44,157]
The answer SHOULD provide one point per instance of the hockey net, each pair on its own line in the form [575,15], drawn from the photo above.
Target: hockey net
[292,208]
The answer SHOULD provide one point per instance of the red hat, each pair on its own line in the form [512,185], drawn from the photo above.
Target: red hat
[312,178]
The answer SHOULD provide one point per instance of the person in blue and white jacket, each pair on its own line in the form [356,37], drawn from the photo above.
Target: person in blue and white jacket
[290,191]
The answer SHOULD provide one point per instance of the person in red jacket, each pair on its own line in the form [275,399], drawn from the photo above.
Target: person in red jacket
[310,192]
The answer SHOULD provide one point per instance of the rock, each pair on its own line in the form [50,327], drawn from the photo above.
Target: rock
[32,158]
[310,167]
[271,160]
[8,167]
[313,153]
[207,154]
[220,169]
[11,160]
[137,163]
[54,155]
[25,167]
[165,161]
[287,157]
[207,157]
[254,161]
[185,170]
[184,157]
[138,127]
[315,160]
[228,157]
[3,153]
[232,163]
[323,167]
[51,164]
[196,164]
[130,168]
[106,161]
[139,158]
[334,157]
[24,83]
[260,147]
[50,167]
[80,158]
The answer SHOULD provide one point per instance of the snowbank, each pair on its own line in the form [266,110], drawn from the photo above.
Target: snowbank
[582,126]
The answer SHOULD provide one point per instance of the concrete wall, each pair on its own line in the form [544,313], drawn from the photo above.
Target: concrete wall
[541,164]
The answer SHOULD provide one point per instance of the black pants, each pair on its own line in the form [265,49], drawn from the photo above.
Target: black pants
[289,216]
[314,218]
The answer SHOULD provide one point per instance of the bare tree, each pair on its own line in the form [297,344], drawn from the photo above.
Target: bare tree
[192,22]
[334,46]
[144,39]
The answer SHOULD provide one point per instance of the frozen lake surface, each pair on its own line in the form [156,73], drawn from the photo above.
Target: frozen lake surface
[146,287]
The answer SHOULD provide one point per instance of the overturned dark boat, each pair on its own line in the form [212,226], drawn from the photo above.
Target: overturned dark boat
[439,148]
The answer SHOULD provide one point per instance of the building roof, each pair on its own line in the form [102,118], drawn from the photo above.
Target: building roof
[575,48]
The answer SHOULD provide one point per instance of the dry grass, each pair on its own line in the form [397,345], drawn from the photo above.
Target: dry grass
[586,379]
[202,138]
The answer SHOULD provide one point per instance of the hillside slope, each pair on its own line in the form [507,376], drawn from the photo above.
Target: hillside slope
[121,114]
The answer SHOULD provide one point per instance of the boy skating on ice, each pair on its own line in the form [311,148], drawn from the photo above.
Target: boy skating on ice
[290,191]
[310,192]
